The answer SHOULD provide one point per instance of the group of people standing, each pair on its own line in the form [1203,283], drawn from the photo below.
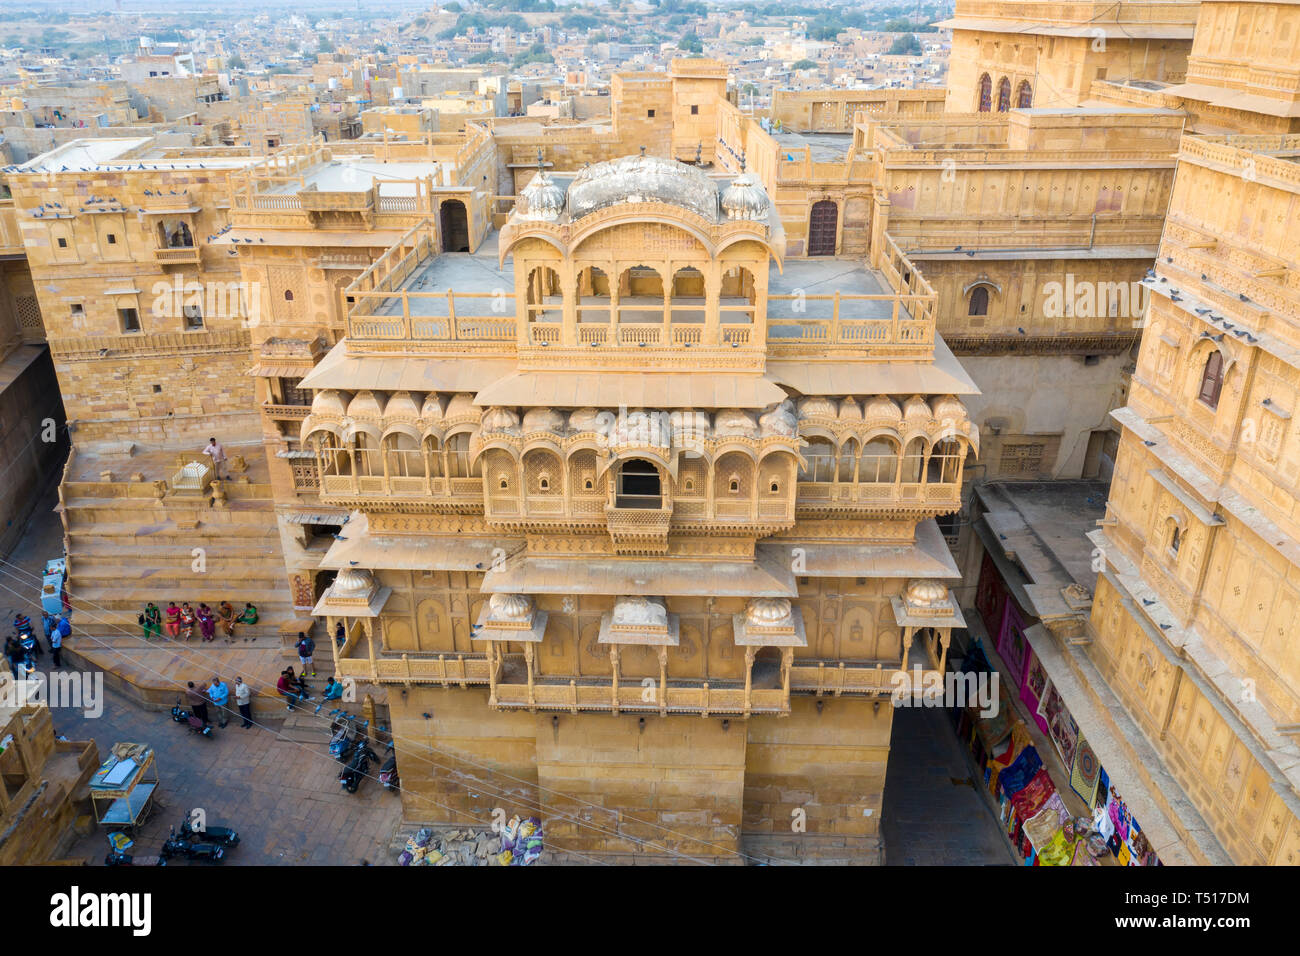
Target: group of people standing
[22,646]
[178,621]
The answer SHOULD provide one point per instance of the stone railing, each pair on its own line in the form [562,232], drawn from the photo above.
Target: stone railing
[941,497]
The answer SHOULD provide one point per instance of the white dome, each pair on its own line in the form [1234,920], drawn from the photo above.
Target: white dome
[510,607]
[353,583]
[924,592]
[640,612]
[744,198]
[432,409]
[769,612]
[542,199]
[589,420]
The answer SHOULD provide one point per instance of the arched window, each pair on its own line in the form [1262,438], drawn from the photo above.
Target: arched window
[638,485]
[1212,379]
[945,462]
[879,464]
[1004,95]
[820,458]
[914,461]
[979,301]
[986,93]
[405,459]
[1173,536]
[459,464]
[848,460]
[288,295]
[1024,95]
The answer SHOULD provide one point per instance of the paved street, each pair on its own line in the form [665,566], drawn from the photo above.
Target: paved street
[283,797]
[933,816]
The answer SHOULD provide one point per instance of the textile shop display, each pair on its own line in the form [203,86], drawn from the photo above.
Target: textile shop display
[1085,774]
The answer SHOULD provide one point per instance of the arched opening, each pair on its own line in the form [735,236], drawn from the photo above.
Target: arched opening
[322,583]
[175,234]
[593,305]
[1173,536]
[640,296]
[737,301]
[403,456]
[688,302]
[913,464]
[454,222]
[331,454]
[1024,95]
[1212,379]
[366,454]
[986,93]
[944,466]
[639,485]
[848,460]
[979,301]
[543,473]
[879,464]
[1004,95]
[823,226]
[820,460]
[544,306]
[459,464]
[432,456]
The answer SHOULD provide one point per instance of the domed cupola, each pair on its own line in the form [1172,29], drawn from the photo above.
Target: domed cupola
[744,198]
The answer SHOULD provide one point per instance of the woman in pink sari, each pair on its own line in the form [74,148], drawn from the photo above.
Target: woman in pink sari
[207,622]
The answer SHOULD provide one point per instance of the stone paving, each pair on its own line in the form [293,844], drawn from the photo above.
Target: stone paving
[282,796]
[932,813]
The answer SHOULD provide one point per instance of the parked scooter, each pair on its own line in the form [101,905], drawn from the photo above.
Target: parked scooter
[346,734]
[221,836]
[388,772]
[350,777]
[183,716]
[180,846]
[117,855]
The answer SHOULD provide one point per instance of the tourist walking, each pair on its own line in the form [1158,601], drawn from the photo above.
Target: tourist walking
[306,647]
[219,694]
[244,700]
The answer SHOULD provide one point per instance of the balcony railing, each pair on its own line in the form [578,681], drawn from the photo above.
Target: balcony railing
[177,255]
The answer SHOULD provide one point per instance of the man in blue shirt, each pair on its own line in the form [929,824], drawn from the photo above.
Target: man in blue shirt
[219,694]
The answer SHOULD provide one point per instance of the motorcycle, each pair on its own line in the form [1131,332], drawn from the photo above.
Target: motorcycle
[180,846]
[388,772]
[183,716]
[350,777]
[26,637]
[343,743]
[221,836]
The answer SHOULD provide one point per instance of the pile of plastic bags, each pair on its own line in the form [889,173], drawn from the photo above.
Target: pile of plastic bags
[521,842]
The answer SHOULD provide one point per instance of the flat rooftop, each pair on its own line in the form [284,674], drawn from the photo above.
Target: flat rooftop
[89,155]
[824,147]
[357,175]
[803,280]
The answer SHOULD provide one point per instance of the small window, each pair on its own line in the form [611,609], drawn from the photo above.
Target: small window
[63,243]
[587,485]
[288,295]
[504,485]
[1212,380]
[112,239]
[775,487]
[78,310]
[193,318]
[650,114]
[1175,539]
[544,483]
[1092,360]
[733,485]
[129,319]
[695,109]
[690,484]
[979,301]
[157,389]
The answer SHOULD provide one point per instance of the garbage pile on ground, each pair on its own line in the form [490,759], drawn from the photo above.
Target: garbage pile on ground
[518,844]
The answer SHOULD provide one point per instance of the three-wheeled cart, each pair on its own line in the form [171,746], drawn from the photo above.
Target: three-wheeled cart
[123,790]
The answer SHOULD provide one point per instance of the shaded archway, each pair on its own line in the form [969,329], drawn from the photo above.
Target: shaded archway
[823,224]
[639,485]
[454,222]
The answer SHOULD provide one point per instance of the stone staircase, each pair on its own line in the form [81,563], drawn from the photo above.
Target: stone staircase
[127,547]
